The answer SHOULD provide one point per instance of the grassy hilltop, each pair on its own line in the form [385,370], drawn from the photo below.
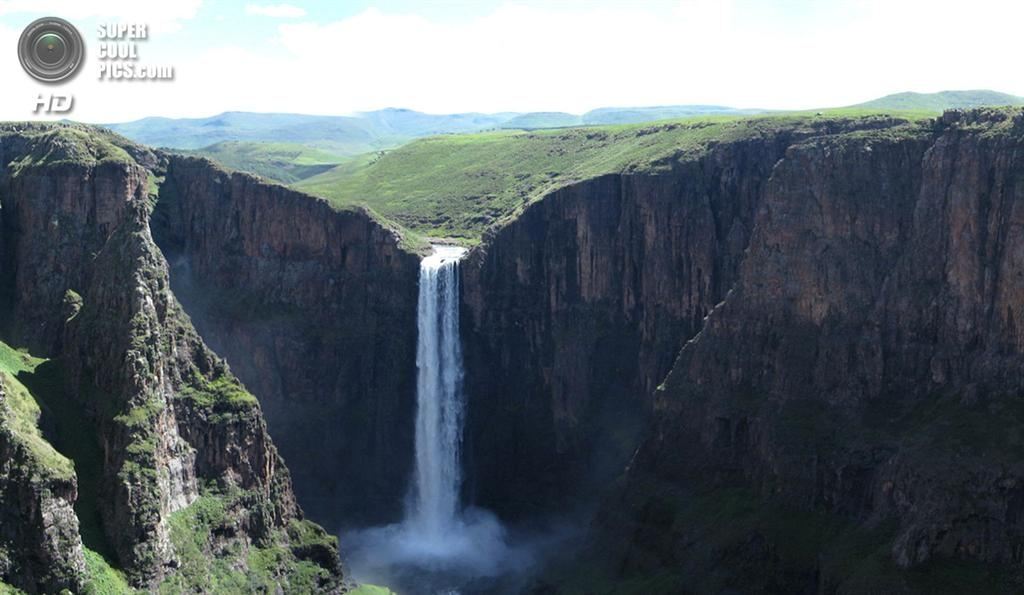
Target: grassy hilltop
[458,186]
[942,100]
[282,162]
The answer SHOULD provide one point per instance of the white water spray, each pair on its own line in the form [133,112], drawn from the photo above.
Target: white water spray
[439,397]
[438,547]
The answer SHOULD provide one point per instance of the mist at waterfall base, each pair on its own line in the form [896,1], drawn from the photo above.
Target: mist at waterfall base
[439,547]
[479,555]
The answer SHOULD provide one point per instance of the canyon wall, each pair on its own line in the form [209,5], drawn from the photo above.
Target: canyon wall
[575,311]
[87,287]
[315,309]
[846,402]
[810,332]
[860,382]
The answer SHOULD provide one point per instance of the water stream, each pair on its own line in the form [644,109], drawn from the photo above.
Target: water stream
[440,547]
[439,415]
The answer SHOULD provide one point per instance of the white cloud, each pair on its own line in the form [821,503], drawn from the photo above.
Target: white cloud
[277,11]
[161,16]
[571,57]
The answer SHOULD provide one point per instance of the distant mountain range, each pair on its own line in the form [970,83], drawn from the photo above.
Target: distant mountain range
[291,147]
[369,131]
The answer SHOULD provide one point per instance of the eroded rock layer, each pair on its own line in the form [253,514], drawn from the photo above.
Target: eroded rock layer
[316,311]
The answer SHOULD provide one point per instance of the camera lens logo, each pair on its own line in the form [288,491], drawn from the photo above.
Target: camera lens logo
[51,50]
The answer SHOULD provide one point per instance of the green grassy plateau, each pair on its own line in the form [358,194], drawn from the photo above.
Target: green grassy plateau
[459,186]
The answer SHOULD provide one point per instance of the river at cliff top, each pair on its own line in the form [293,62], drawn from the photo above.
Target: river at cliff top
[441,548]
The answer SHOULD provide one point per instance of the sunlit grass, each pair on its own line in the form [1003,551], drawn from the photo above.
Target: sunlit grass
[458,186]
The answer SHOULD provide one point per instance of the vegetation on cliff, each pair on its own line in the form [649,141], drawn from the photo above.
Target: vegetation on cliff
[151,424]
[211,560]
[33,388]
[23,413]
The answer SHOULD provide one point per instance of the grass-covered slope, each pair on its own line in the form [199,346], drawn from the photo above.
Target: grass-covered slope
[943,100]
[23,412]
[282,162]
[34,398]
[459,186]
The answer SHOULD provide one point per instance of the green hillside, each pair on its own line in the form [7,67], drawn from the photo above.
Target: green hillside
[942,101]
[543,120]
[281,162]
[34,391]
[459,186]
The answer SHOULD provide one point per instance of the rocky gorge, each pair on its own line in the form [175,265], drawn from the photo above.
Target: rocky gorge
[787,362]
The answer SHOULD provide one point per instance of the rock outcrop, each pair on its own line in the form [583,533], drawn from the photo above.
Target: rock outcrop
[316,311]
[90,289]
[40,548]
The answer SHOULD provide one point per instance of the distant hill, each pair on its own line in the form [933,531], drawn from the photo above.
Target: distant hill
[338,134]
[536,120]
[942,100]
[410,124]
[387,128]
[636,115]
[341,135]
[282,162]
[372,131]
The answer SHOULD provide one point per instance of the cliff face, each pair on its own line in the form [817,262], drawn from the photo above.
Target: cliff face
[576,311]
[315,309]
[863,373]
[39,542]
[813,334]
[88,287]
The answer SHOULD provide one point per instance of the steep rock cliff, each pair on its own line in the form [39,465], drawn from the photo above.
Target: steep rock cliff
[316,311]
[576,310]
[87,286]
[860,381]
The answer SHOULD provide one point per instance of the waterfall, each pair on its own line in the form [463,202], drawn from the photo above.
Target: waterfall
[435,490]
[438,548]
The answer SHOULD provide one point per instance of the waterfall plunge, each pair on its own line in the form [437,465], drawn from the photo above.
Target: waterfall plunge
[438,548]
[439,397]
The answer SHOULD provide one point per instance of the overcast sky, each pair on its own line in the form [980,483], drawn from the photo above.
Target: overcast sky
[335,57]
